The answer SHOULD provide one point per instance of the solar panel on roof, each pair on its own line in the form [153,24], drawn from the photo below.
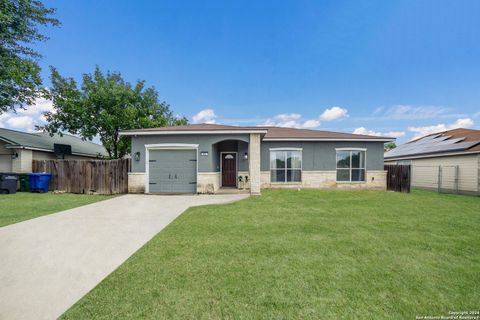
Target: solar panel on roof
[430,139]
[431,144]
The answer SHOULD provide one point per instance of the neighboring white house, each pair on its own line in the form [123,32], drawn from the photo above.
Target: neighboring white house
[447,161]
[18,149]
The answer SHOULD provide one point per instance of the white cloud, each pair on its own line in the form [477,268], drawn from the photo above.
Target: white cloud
[3,118]
[205,116]
[409,112]
[26,120]
[291,120]
[392,134]
[363,130]
[296,120]
[463,123]
[334,113]
[285,117]
[378,110]
[311,124]
[22,122]
[476,115]
[41,105]
[423,131]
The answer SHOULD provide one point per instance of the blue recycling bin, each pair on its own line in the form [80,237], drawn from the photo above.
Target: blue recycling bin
[39,181]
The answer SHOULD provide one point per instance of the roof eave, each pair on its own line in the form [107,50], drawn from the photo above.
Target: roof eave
[333,139]
[18,146]
[50,150]
[167,132]
[430,155]
[7,140]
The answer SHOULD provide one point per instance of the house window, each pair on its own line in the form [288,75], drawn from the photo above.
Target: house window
[286,165]
[350,165]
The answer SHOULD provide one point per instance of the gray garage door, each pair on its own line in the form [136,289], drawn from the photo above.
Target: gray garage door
[173,171]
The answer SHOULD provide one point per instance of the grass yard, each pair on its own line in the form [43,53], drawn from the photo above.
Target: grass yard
[304,255]
[24,205]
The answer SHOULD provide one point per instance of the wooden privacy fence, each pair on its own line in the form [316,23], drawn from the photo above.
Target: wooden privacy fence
[86,176]
[398,177]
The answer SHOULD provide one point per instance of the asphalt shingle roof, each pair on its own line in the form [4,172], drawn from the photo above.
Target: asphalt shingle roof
[42,140]
[272,132]
[451,141]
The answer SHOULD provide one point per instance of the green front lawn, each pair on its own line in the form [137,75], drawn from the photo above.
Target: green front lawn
[306,255]
[24,205]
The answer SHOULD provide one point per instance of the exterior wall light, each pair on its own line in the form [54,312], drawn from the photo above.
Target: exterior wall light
[136,156]
[245,156]
[14,155]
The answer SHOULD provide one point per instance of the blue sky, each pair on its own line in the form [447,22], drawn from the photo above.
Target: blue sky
[401,68]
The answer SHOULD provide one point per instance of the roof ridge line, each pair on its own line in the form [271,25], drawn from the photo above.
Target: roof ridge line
[22,132]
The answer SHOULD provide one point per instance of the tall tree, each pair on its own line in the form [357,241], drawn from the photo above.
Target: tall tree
[104,105]
[20,81]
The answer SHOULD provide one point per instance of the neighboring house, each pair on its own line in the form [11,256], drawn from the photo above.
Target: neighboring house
[206,157]
[446,161]
[18,149]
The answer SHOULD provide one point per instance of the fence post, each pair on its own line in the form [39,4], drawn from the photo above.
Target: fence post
[456,178]
[478,176]
[409,177]
[439,183]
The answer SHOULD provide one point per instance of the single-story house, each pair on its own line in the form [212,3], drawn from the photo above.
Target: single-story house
[204,158]
[18,149]
[445,161]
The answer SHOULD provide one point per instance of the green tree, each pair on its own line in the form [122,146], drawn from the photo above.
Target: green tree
[389,146]
[20,81]
[104,105]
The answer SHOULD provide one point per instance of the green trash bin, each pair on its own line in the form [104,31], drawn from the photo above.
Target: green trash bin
[24,182]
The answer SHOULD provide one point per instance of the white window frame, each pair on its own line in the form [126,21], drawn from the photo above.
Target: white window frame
[350,169]
[286,168]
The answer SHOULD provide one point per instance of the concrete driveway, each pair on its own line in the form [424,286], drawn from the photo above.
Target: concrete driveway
[48,263]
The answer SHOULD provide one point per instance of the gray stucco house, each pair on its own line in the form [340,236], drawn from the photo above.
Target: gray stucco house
[206,158]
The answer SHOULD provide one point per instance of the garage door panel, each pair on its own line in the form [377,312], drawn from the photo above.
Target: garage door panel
[180,187]
[160,187]
[172,171]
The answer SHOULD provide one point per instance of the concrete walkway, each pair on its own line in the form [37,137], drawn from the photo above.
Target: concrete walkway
[48,263]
